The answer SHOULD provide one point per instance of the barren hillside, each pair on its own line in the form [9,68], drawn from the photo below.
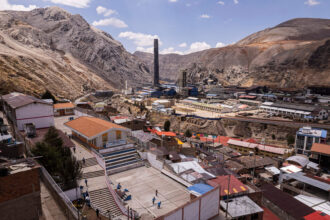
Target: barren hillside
[50,48]
[293,54]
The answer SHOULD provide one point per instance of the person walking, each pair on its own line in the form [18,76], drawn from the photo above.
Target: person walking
[83,160]
[97,213]
[74,149]
[156,192]
[153,201]
[86,182]
[158,204]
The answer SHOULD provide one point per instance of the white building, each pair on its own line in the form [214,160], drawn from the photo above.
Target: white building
[306,137]
[23,109]
[295,110]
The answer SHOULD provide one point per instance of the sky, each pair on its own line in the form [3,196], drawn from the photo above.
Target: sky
[182,26]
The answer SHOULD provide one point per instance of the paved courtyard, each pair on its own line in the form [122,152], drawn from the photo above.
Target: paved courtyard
[142,183]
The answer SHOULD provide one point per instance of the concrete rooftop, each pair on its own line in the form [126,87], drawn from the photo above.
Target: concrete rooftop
[142,183]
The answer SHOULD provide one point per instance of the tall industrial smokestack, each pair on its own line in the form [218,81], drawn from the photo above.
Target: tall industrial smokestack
[156,63]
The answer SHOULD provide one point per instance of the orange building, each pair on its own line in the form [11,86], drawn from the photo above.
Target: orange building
[98,133]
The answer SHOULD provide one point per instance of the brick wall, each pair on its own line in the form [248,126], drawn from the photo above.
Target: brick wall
[19,184]
[20,195]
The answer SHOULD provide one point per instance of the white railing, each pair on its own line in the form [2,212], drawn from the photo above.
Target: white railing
[111,149]
[115,196]
[115,143]
[99,158]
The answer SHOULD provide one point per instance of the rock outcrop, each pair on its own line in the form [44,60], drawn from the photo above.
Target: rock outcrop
[48,48]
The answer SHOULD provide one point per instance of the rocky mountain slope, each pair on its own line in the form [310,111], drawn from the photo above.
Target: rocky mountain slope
[292,54]
[48,48]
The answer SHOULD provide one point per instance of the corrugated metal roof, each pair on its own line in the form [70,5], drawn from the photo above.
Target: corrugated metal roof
[200,188]
[310,181]
[16,100]
[285,202]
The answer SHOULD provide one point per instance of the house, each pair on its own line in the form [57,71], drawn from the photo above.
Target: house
[245,147]
[306,137]
[23,109]
[61,109]
[20,189]
[97,133]
[232,189]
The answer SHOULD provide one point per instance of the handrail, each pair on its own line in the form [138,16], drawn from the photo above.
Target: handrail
[115,195]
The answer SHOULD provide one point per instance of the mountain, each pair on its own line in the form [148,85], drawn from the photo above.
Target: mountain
[49,48]
[293,54]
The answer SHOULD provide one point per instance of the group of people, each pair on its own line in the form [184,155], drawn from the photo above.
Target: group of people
[154,200]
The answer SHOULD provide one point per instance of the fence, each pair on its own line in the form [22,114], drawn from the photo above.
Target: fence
[70,210]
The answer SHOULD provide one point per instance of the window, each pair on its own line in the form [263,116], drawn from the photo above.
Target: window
[104,138]
[118,135]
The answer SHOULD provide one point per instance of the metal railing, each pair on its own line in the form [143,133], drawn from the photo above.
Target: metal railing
[115,143]
[64,198]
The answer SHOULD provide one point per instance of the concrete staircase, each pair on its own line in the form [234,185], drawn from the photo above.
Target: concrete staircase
[92,174]
[102,199]
[89,162]
[121,160]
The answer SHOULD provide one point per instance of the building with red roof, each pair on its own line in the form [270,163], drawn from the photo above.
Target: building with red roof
[235,188]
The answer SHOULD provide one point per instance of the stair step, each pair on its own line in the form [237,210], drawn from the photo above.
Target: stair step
[92,174]
[121,156]
[103,200]
[105,155]
[120,161]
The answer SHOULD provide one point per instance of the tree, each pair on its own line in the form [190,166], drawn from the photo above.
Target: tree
[188,133]
[49,95]
[167,125]
[52,138]
[58,159]
[290,139]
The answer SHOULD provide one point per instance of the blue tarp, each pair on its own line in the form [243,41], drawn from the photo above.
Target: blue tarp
[200,188]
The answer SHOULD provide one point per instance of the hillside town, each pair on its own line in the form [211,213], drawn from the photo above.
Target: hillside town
[164,110]
[136,154]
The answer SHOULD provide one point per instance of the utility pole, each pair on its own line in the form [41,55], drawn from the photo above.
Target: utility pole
[227,195]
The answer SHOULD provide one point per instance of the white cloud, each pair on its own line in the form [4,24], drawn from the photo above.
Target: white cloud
[115,22]
[236,2]
[5,5]
[205,16]
[170,50]
[73,3]
[147,50]
[172,0]
[104,11]
[221,3]
[184,44]
[220,44]
[140,39]
[197,46]
[312,2]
